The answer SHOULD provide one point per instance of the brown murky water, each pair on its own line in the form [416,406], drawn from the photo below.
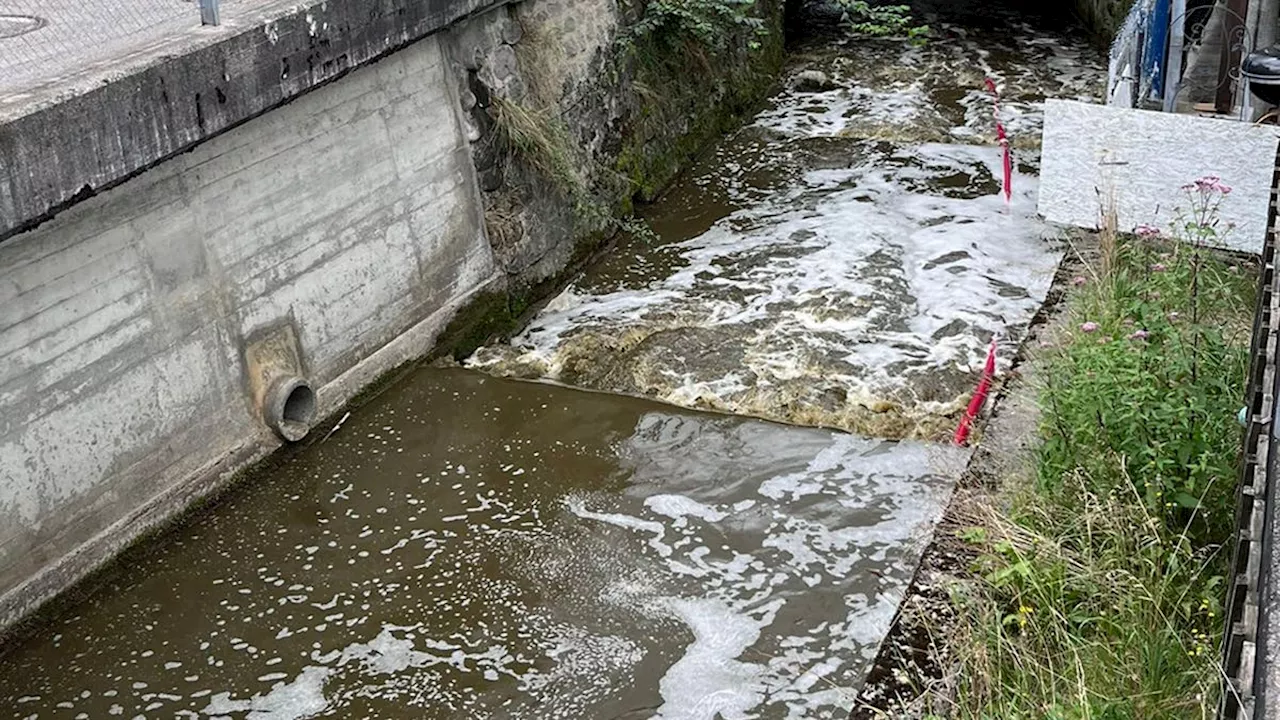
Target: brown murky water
[467,546]
[470,547]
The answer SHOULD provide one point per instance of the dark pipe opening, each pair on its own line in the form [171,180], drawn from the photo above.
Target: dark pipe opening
[290,408]
[300,406]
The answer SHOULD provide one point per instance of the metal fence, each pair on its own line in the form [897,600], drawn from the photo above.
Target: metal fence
[42,40]
[1252,596]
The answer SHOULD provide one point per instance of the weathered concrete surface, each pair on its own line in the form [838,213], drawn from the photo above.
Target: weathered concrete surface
[81,129]
[349,215]
[1096,155]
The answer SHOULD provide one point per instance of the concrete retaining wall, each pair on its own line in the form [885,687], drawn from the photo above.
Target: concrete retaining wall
[347,220]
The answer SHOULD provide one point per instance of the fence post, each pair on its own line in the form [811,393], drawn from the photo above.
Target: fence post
[208,12]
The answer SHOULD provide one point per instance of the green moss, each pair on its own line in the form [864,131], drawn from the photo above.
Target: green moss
[491,315]
[679,113]
[1103,17]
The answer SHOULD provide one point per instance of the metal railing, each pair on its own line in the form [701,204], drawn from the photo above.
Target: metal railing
[1249,595]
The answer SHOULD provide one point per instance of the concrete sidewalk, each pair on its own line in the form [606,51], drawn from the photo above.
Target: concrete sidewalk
[47,42]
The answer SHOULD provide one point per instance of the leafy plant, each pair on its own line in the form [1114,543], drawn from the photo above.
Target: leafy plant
[864,19]
[1151,378]
[714,24]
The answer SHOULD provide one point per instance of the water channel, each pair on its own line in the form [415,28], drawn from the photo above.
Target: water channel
[469,545]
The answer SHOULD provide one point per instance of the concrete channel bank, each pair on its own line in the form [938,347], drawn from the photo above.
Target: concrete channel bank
[221,238]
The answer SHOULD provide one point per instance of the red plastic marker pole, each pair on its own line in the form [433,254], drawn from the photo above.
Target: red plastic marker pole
[1003,139]
[979,397]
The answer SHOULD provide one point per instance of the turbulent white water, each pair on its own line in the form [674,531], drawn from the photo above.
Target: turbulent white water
[824,266]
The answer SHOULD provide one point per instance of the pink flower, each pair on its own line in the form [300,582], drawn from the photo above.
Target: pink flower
[1146,231]
[1078,280]
[1158,267]
[1207,185]
[1089,326]
[1138,335]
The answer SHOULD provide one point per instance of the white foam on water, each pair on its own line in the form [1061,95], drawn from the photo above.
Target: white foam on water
[303,697]
[678,506]
[865,273]
[740,663]
[708,681]
[850,279]
[578,507]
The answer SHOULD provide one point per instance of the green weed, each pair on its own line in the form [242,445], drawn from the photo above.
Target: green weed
[1098,593]
[713,24]
[862,18]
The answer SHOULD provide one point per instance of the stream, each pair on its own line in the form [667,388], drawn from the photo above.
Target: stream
[844,260]
[713,501]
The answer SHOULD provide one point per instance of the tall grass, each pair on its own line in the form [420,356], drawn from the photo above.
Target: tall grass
[1099,589]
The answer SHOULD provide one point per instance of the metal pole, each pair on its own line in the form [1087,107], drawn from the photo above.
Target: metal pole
[209,12]
[1173,64]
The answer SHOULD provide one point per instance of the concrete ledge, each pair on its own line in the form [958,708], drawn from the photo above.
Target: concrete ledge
[68,140]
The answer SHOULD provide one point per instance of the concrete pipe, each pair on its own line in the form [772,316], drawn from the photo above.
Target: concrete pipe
[290,407]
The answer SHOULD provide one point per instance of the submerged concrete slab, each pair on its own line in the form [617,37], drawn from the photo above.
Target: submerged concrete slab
[1095,157]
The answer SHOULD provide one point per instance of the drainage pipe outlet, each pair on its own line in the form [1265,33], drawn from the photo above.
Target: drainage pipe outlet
[290,407]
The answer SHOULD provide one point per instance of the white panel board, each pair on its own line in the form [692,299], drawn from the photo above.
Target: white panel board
[1139,160]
